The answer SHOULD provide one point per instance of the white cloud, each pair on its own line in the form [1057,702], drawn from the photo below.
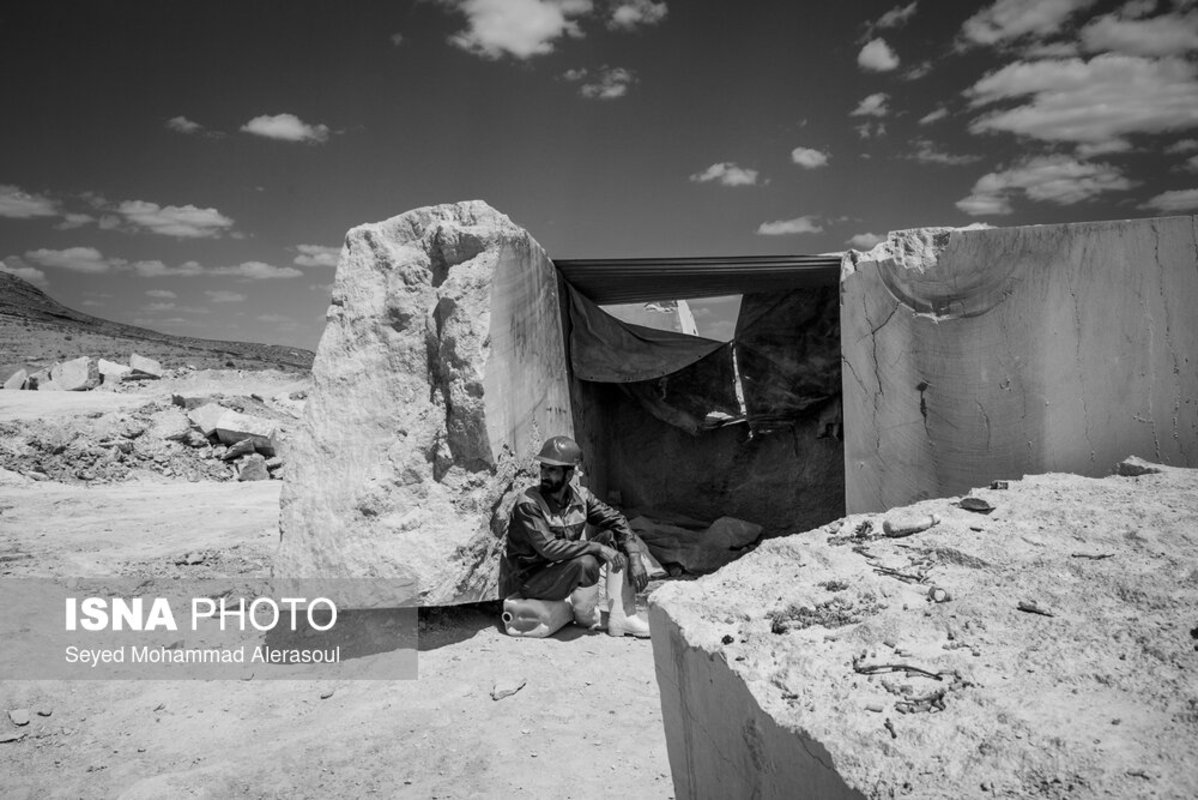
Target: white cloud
[396,39]
[1056,179]
[896,16]
[287,128]
[726,173]
[928,153]
[1191,164]
[610,83]
[183,222]
[632,14]
[1182,146]
[16,204]
[76,259]
[1008,20]
[519,28]
[1095,101]
[224,296]
[161,294]
[877,56]
[918,71]
[184,125]
[808,157]
[934,116]
[870,130]
[1091,149]
[315,255]
[256,271]
[790,227]
[154,307]
[872,106]
[21,270]
[865,241]
[70,221]
[1176,200]
[156,269]
[1169,34]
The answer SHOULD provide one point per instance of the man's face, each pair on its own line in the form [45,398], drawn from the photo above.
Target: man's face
[553,477]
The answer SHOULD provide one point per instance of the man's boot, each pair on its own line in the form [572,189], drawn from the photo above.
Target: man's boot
[585,602]
[623,619]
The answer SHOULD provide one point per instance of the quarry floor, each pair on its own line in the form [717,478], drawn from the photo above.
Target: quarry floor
[587,722]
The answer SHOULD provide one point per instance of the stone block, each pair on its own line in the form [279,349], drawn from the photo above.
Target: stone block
[17,380]
[233,427]
[206,417]
[992,657]
[440,371]
[143,367]
[171,424]
[977,355]
[252,468]
[112,372]
[48,385]
[77,375]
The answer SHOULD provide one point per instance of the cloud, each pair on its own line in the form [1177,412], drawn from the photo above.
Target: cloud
[632,14]
[1182,146]
[224,296]
[519,28]
[1008,20]
[896,17]
[396,39]
[610,83]
[726,173]
[257,271]
[1166,35]
[184,125]
[934,116]
[790,227]
[1091,149]
[22,270]
[157,269]
[809,158]
[926,152]
[1176,200]
[321,287]
[76,259]
[158,307]
[182,222]
[70,221]
[866,241]
[1056,179]
[877,56]
[1191,164]
[17,204]
[870,130]
[872,106]
[1105,98]
[161,294]
[287,128]
[315,255]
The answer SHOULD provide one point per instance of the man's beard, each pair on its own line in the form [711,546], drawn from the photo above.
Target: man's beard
[551,486]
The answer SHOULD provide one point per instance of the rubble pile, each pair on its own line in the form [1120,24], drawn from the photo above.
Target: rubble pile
[212,438]
[84,374]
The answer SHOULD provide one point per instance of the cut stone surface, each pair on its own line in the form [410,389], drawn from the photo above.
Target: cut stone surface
[440,372]
[840,663]
[16,380]
[206,417]
[77,375]
[971,356]
[144,367]
[233,427]
[48,385]
[112,372]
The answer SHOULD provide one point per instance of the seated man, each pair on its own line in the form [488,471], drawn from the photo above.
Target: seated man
[551,561]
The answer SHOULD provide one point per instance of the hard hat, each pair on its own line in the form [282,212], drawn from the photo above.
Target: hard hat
[560,451]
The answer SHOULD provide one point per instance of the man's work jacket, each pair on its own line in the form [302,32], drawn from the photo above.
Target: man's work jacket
[542,532]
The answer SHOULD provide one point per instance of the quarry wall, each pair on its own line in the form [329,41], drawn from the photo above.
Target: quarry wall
[972,356]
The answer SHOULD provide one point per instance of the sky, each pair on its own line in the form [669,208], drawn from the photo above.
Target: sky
[194,168]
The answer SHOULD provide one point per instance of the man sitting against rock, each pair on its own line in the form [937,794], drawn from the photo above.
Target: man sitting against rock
[551,560]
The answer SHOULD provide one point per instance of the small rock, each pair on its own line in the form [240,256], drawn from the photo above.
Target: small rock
[939,595]
[327,693]
[19,716]
[242,448]
[37,476]
[196,439]
[252,468]
[906,526]
[975,504]
[1132,467]
[507,688]
[44,711]
[1000,484]
[144,367]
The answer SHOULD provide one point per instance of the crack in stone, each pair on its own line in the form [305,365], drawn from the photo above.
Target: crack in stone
[986,418]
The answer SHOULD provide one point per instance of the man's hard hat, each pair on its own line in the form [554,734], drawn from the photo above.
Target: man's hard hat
[560,451]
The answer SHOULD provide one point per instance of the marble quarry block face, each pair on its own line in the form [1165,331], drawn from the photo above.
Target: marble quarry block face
[440,372]
[977,355]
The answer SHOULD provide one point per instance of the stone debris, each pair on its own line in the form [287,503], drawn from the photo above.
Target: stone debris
[975,504]
[143,367]
[17,380]
[507,687]
[252,468]
[899,526]
[170,424]
[44,711]
[112,372]
[206,416]
[233,427]
[1133,467]
[19,716]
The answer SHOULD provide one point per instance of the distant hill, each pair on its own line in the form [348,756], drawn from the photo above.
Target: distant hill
[36,330]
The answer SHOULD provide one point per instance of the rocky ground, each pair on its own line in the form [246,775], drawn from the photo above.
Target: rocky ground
[586,722]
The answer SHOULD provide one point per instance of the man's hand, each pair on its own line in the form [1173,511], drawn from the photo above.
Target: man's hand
[614,559]
[637,573]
